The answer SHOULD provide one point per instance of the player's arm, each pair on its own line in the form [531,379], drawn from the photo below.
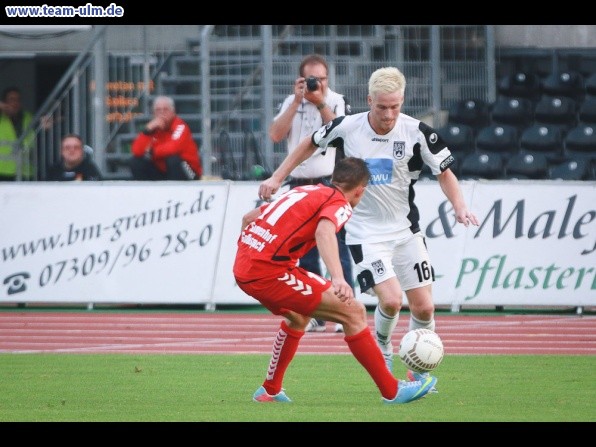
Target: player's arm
[329,251]
[452,191]
[251,216]
[270,186]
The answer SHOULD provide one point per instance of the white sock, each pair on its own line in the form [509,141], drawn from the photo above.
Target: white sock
[415,323]
[384,326]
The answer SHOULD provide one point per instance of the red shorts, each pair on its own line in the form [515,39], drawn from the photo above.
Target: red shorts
[295,289]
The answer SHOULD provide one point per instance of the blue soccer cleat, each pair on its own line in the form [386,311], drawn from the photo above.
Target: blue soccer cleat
[410,391]
[261,395]
[414,376]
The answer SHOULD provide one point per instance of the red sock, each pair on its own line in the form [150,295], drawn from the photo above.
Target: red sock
[367,352]
[284,347]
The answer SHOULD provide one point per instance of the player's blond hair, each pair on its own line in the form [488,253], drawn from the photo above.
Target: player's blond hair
[386,80]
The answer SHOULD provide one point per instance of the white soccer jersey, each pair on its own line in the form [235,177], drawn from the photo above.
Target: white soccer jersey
[395,161]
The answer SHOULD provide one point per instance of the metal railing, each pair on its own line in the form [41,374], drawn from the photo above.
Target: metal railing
[99,95]
[240,73]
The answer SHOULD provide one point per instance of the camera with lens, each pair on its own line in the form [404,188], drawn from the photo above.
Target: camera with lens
[312,83]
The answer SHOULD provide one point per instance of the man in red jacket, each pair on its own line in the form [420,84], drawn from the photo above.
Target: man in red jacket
[165,149]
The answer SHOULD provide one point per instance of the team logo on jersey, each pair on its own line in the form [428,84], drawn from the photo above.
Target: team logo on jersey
[379,267]
[399,149]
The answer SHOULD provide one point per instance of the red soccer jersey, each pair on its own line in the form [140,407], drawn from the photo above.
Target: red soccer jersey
[177,140]
[285,229]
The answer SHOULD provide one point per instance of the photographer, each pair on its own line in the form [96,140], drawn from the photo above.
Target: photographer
[311,105]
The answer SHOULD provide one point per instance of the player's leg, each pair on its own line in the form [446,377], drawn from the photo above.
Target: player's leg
[386,316]
[416,274]
[284,349]
[376,276]
[366,350]
[346,264]
[278,294]
[310,261]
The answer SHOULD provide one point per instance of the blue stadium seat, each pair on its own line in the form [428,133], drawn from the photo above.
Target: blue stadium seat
[499,138]
[473,112]
[574,168]
[482,165]
[567,83]
[543,139]
[581,141]
[527,166]
[520,84]
[514,111]
[459,138]
[587,109]
[558,110]
[590,84]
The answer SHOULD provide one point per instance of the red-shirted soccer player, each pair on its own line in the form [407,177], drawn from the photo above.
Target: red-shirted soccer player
[273,239]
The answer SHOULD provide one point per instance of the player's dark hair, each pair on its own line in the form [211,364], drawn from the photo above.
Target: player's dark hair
[350,172]
[312,59]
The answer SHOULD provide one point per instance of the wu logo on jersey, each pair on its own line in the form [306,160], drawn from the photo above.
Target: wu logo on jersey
[399,149]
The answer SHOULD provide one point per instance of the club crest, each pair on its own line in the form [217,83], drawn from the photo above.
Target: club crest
[379,267]
[399,149]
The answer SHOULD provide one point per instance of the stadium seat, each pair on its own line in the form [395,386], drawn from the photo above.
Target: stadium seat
[473,112]
[500,138]
[514,111]
[581,141]
[520,85]
[587,109]
[558,110]
[590,84]
[542,139]
[574,168]
[459,138]
[527,166]
[482,165]
[567,83]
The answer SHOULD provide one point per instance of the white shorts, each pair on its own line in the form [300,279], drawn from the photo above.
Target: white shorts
[407,259]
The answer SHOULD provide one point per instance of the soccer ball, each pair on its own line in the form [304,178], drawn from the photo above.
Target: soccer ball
[421,350]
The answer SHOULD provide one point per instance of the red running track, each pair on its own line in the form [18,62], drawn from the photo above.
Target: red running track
[204,333]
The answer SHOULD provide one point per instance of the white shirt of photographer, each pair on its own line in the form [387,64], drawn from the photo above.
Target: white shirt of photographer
[306,121]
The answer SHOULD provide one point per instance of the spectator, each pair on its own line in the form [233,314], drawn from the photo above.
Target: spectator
[165,149]
[14,120]
[300,114]
[75,162]
[274,237]
[384,234]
